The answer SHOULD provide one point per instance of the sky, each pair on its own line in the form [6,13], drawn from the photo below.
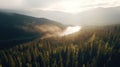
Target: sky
[68,6]
[70,12]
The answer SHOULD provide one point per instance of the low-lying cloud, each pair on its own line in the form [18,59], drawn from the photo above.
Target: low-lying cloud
[70,30]
[53,31]
[49,30]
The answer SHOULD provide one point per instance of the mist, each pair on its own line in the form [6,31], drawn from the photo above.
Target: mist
[54,31]
[70,30]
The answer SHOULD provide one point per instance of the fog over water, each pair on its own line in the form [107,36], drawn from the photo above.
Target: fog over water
[70,30]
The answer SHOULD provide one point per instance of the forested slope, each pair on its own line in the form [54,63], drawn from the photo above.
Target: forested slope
[93,47]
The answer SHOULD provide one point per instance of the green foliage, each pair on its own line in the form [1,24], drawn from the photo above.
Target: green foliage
[101,48]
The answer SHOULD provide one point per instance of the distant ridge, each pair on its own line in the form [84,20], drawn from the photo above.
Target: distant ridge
[15,27]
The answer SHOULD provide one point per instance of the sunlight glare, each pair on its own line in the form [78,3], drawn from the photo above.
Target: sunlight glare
[71,30]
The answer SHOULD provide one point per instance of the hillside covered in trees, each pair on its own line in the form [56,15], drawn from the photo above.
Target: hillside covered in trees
[18,28]
[90,47]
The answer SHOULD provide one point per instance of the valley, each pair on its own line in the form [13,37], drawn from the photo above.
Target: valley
[39,42]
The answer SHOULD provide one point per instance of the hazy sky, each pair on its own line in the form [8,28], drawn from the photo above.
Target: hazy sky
[69,6]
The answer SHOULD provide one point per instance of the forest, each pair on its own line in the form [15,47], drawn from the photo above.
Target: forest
[90,47]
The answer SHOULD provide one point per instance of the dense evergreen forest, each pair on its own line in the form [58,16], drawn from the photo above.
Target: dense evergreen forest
[90,47]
